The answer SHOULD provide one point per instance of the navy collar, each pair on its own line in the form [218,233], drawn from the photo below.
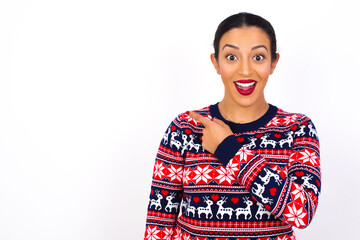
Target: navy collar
[245,127]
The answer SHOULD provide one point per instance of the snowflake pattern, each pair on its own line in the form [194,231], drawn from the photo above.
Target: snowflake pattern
[274,122]
[289,119]
[186,176]
[178,234]
[309,157]
[186,236]
[191,120]
[158,170]
[243,155]
[296,214]
[223,176]
[168,232]
[152,233]
[175,174]
[233,167]
[200,238]
[293,157]
[201,168]
[283,237]
[202,174]
[298,194]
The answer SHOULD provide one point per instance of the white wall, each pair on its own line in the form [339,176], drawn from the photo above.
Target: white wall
[87,89]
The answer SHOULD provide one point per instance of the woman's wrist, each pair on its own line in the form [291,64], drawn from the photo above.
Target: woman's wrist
[227,149]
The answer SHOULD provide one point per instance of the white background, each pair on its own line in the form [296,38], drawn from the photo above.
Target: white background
[87,89]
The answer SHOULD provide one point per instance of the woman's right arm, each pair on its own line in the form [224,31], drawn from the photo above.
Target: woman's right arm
[166,187]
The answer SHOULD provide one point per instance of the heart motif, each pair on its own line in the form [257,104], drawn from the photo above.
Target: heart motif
[294,128]
[187,131]
[164,192]
[258,135]
[196,199]
[214,197]
[299,173]
[273,191]
[277,135]
[235,200]
[173,128]
[241,139]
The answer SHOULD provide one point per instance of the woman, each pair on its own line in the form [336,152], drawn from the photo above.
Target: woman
[242,168]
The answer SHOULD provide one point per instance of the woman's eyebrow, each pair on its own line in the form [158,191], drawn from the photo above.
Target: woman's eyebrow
[232,46]
[259,46]
[253,48]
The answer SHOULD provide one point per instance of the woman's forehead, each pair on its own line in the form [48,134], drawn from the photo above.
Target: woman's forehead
[245,37]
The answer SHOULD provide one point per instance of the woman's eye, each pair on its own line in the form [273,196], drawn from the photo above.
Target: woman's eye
[231,57]
[258,57]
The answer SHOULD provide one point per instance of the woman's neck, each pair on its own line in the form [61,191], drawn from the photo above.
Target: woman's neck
[236,113]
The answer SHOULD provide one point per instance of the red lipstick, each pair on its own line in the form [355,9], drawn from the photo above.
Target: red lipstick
[245,86]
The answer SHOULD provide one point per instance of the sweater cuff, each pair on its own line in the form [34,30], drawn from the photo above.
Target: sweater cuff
[227,149]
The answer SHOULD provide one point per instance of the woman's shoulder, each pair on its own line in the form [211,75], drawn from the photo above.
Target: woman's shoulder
[183,120]
[291,116]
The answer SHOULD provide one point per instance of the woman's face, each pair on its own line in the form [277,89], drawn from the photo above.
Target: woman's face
[244,63]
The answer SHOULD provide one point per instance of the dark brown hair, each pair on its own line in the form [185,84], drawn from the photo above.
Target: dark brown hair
[249,20]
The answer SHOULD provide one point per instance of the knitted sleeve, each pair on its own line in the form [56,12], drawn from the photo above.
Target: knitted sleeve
[166,187]
[290,193]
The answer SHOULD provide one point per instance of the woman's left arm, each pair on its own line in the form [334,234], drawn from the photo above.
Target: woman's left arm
[290,193]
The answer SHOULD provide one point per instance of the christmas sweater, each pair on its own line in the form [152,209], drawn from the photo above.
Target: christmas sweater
[260,182]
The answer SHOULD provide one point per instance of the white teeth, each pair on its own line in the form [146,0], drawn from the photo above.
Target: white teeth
[245,85]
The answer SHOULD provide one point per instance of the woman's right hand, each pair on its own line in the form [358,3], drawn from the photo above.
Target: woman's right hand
[214,133]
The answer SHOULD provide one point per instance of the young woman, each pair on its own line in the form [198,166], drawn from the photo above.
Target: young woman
[241,168]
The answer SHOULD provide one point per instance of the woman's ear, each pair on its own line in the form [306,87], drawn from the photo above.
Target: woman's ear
[274,63]
[215,63]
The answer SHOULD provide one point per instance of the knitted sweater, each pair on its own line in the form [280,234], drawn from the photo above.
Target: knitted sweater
[260,182]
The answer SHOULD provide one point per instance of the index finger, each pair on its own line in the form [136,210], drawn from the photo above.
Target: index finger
[200,118]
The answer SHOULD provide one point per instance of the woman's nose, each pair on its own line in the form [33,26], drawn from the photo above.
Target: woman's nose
[244,67]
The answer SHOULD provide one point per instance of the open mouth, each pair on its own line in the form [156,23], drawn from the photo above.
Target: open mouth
[245,87]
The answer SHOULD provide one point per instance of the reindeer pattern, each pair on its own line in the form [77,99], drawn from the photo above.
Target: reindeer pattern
[170,205]
[190,142]
[282,140]
[245,211]
[260,187]
[184,141]
[224,212]
[157,202]
[306,182]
